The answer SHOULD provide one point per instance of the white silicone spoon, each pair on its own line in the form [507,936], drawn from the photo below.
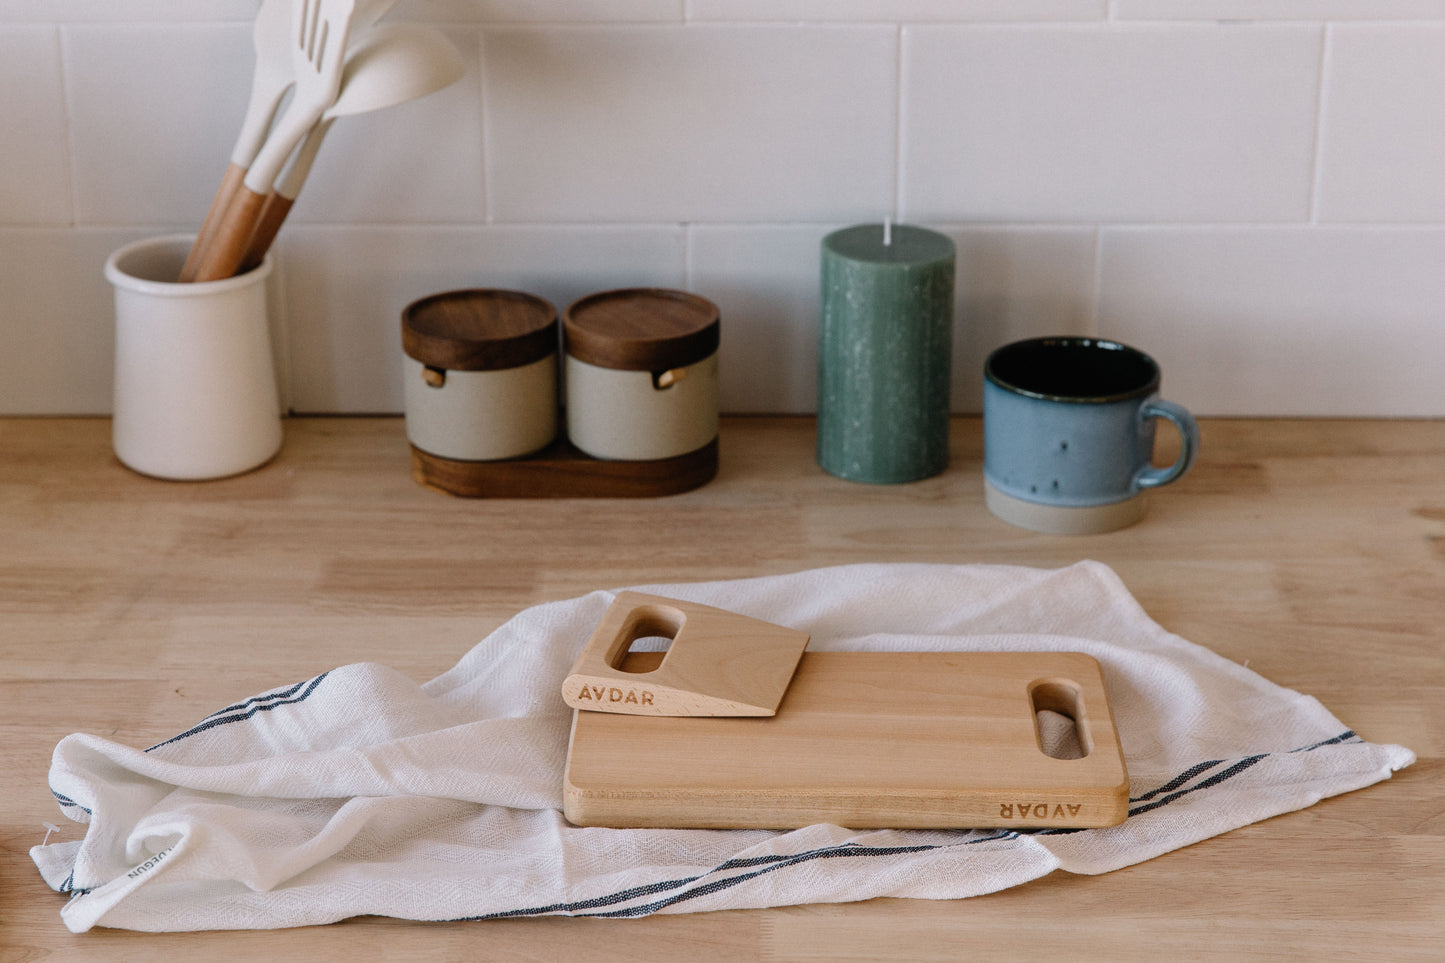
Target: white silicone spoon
[319,32]
[270,79]
[395,63]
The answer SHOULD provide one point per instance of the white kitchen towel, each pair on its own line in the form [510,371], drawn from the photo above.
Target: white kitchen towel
[360,792]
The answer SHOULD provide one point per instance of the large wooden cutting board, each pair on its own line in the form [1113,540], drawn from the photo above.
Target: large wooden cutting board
[864,740]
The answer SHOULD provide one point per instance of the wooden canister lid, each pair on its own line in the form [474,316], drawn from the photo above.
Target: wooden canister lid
[641,329]
[479,329]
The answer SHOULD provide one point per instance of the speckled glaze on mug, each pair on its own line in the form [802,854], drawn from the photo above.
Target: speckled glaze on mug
[1069,434]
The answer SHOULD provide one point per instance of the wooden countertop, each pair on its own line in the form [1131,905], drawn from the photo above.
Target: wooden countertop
[1313,550]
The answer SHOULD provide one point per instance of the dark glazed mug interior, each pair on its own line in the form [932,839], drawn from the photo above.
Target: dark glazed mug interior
[1073,369]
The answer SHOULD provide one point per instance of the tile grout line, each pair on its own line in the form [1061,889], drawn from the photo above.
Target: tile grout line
[688,231]
[67,94]
[1096,296]
[1327,38]
[898,85]
[479,41]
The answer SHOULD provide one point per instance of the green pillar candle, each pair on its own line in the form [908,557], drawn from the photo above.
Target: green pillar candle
[884,352]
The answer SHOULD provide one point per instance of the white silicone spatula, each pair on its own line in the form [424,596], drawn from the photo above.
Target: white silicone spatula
[270,79]
[318,53]
[392,64]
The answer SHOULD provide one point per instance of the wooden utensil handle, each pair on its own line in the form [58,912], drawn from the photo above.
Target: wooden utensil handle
[230,184]
[223,255]
[268,225]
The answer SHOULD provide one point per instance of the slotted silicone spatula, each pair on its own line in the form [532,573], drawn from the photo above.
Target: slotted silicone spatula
[318,53]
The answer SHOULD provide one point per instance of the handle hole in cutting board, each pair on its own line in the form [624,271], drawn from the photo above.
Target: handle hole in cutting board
[649,628]
[1059,721]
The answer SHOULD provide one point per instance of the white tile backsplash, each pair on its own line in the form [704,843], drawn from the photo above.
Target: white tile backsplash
[1247,188]
[541,11]
[1278,9]
[688,124]
[418,162]
[1175,123]
[896,10]
[126,11]
[763,280]
[1014,283]
[58,323]
[1383,128]
[34,155]
[1283,321]
[154,154]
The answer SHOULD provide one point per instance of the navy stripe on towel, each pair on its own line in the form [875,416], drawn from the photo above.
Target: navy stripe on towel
[674,891]
[677,887]
[249,708]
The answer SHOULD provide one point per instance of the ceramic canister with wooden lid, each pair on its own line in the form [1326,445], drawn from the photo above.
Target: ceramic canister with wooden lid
[481,374]
[641,373]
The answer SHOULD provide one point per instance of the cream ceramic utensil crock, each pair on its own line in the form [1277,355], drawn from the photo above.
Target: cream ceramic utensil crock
[195,385]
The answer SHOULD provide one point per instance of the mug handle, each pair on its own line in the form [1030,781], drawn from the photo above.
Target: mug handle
[1151,477]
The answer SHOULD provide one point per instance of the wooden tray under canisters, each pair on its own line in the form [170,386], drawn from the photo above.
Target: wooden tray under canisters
[864,740]
[561,471]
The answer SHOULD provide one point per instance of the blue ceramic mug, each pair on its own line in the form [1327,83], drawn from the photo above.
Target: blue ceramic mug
[1068,434]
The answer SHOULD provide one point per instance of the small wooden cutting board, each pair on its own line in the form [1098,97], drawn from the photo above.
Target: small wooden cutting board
[719,663]
[864,740]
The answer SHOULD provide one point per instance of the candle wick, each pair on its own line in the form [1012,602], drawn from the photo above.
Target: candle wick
[887,232]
